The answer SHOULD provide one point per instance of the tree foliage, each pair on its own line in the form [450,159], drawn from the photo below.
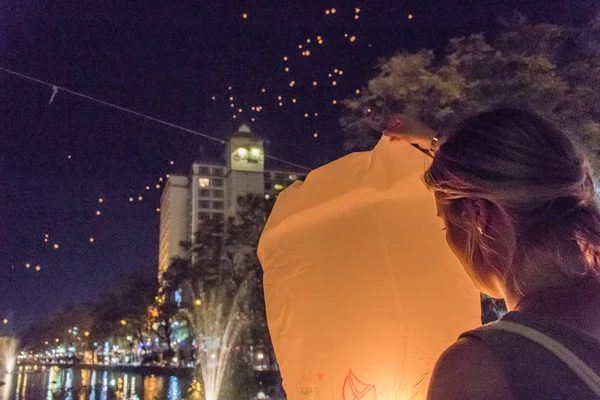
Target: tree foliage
[550,69]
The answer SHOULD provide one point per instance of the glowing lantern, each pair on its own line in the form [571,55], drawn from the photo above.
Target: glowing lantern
[355,270]
[98,212]
[287,69]
[305,115]
[315,83]
[299,46]
[334,101]
[316,134]
[147,187]
[333,10]
[160,179]
[253,119]
[293,100]
[307,40]
[263,90]
[357,91]
[27,265]
[357,10]
[5,321]
[356,17]
[327,12]
[245,15]
[352,38]
[280,104]
[410,16]
[285,58]
[140,198]
[341,72]
[334,83]
[232,105]
[157,186]
[239,110]
[158,210]
[55,245]
[100,200]
[37,268]
[91,240]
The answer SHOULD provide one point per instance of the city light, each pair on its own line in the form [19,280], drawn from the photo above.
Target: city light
[123,322]
[86,334]
[198,302]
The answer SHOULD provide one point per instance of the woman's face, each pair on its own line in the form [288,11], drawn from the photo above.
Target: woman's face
[458,238]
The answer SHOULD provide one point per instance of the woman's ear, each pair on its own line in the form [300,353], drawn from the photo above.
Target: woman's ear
[479,211]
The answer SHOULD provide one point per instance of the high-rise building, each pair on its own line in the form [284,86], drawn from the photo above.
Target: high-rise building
[211,191]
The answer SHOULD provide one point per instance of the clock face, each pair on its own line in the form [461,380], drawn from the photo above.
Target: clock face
[247,159]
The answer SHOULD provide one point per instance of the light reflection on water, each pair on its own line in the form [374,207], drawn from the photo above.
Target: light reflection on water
[83,384]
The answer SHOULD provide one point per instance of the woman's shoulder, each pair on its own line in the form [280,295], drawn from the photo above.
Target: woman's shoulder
[468,370]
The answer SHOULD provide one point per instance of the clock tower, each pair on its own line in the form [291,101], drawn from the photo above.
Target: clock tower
[245,162]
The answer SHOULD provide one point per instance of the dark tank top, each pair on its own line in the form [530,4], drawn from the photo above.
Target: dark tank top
[534,372]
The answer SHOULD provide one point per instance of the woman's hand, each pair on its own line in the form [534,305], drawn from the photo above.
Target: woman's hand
[411,130]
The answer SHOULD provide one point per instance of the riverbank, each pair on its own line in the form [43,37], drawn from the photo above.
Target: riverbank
[182,372]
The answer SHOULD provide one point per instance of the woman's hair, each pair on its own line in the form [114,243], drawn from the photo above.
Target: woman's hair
[539,181]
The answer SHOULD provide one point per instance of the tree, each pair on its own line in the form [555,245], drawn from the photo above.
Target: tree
[553,70]
[122,311]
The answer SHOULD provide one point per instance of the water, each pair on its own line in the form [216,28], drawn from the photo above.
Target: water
[54,383]
[8,347]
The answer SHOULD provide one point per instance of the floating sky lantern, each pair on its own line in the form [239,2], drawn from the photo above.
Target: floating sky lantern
[362,292]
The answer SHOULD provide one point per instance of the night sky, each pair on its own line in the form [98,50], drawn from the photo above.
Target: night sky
[168,59]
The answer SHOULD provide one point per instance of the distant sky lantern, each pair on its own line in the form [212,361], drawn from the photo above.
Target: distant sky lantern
[235,117]
[46,235]
[253,108]
[239,110]
[140,198]
[167,175]
[318,37]
[214,98]
[336,70]
[231,98]
[315,134]
[27,265]
[280,104]
[98,212]
[307,40]
[346,35]
[147,187]
[130,199]
[232,105]
[299,46]
[293,100]
[5,321]
[100,200]
[321,41]
[327,12]
[160,179]
[357,91]
[410,16]
[329,75]
[157,186]
[229,88]
[245,15]
[172,162]
[333,10]
[37,268]
[253,119]
[334,83]
[305,115]
[57,340]
[334,101]
[287,69]
[356,17]
[307,53]
[285,58]
[55,245]
[341,72]
[69,156]
[315,83]
[91,240]
[263,90]
[357,10]
[369,110]
[352,38]
[316,114]
[292,83]
[278,97]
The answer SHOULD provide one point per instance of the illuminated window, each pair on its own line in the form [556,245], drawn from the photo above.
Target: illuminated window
[218,205]
[204,182]
[204,204]
[204,193]
[218,194]
[218,182]
[292,177]
[278,187]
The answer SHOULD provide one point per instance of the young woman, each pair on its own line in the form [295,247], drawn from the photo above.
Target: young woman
[518,202]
